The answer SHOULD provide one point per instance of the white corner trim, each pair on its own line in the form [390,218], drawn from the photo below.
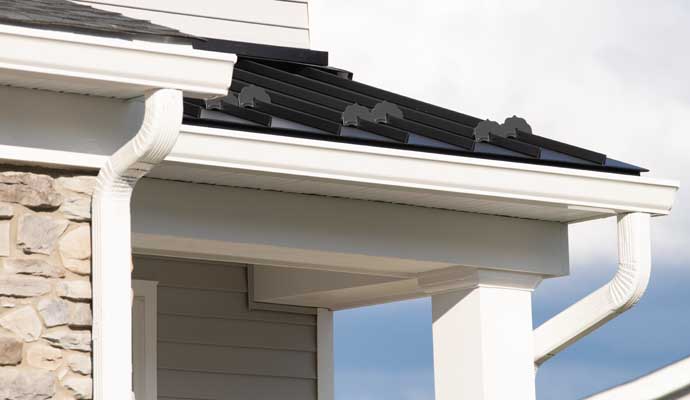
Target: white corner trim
[148,291]
[112,245]
[656,385]
[324,355]
[434,173]
[621,293]
[84,62]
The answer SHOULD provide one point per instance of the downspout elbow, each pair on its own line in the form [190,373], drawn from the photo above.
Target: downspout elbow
[111,240]
[620,294]
[152,143]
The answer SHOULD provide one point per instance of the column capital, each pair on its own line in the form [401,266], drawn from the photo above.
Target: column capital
[463,278]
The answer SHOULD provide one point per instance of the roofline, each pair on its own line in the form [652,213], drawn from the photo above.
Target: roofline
[95,65]
[602,193]
[265,51]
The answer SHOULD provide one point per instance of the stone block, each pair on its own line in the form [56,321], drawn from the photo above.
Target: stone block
[5,238]
[39,233]
[79,363]
[80,385]
[77,208]
[24,286]
[6,211]
[69,339]
[10,350]
[74,290]
[75,250]
[55,312]
[33,266]
[34,191]
[80,315]
[24,322]
[44,357]
[26,384]
[78,184]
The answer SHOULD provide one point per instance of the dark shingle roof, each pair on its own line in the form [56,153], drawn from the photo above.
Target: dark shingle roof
[300,100]
[67,16]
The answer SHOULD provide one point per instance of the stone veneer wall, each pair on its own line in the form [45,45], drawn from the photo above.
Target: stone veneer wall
[45,289]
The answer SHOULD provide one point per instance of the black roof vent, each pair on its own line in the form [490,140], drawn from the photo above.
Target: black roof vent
[354,112]
[483,130]
[513,124]
[251,94]
[383,110]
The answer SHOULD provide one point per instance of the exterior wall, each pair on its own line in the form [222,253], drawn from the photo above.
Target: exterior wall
[212,346]
[276,22]
[45,293]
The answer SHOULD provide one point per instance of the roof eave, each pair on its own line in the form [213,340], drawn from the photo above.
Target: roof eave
[410,177]
[76,63]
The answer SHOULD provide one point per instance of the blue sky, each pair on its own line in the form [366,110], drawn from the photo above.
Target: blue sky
[606,75]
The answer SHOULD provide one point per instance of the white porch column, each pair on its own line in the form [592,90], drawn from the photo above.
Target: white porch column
[483,342]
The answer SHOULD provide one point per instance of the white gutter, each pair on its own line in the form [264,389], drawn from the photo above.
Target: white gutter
[100,66]
[112,247]
[493,183]
[672,381]
[622,292]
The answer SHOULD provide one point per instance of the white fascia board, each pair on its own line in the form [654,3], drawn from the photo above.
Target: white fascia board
[415,172]
[51,158]
[110,67]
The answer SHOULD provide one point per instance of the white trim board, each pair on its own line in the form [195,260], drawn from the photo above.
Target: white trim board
[145,339]
[108,67]
[51,158]
[324,355]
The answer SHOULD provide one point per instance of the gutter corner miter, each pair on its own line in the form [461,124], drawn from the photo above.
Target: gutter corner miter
[621,293]
[112,249]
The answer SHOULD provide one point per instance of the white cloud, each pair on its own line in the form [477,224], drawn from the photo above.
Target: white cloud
[610,76]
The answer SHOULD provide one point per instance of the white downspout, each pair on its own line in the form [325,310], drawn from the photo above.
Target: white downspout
[112,249]
[622,292]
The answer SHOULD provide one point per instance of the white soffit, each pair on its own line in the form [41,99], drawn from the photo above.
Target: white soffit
[262,161]
[74,63]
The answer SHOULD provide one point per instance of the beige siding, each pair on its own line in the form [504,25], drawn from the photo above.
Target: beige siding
[211,346]
[278,22]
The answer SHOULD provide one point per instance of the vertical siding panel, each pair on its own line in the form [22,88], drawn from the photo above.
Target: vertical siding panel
[211,346]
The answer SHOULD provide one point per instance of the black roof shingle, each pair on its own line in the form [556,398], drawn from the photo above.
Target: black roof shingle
[294,99]
[63,15]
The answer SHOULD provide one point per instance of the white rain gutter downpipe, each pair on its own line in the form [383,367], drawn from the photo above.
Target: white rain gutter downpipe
[112,248]
[621,293]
